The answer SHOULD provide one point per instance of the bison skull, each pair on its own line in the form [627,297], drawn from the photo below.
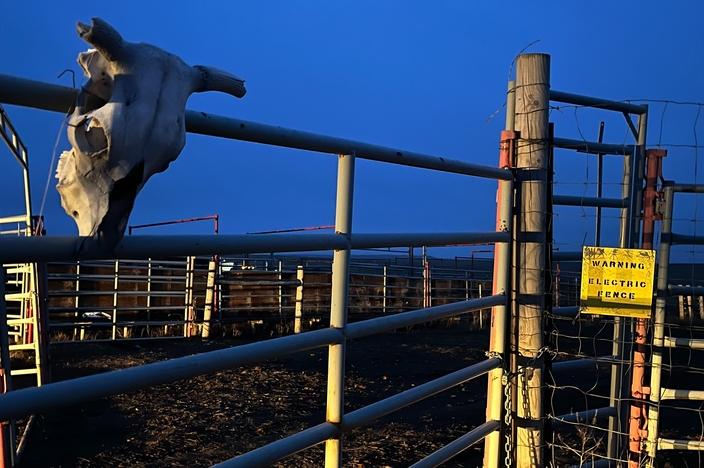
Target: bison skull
[128,124]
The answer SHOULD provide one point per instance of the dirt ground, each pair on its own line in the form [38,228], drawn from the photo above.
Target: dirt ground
[205,420]
[202,421]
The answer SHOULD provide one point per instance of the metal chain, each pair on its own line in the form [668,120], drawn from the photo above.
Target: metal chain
[508,419]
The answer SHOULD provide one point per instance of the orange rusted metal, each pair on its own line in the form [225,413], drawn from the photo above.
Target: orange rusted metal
[638,428]
[508,140]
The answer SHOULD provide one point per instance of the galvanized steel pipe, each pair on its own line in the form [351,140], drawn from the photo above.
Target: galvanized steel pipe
[59,248]
[20,403]
[39,95]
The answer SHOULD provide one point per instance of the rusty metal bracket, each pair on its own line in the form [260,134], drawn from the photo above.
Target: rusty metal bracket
[507,148]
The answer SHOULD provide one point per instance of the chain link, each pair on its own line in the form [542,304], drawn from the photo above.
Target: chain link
[508,419]
[508,415]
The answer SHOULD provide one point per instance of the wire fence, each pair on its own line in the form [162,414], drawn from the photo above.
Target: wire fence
[579,413]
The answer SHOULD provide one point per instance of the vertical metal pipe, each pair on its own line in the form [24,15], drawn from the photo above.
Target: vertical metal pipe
[659,325]
[338,308]
[27,191]
[501,283]
[149,295]
[638,412]
[298,313]
[617,392]
[188,314]
[599,186]
[115,285]
[7,440]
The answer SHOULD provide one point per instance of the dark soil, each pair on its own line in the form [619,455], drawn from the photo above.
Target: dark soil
[211,418]
[205,420]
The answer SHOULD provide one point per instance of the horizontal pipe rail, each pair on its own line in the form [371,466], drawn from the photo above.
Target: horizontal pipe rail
[680,444]
[126,323]
[564,256]
[592,147]
[587,415]
[414,317]
[679,290]
[677,342]
[13,219]
[681,394]
[458,446]
[20,403]
[366,415]
[56,248]
[29,401]
[568,311]
[270,453]
[603,463]
[685,188]
[599,103]
[683,239]
[29,93]
[110,293]
[575,364]
[569,200]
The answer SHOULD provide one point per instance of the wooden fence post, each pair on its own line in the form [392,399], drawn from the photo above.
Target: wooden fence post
[532,109]
[384,289]
[298,314]
[116,286]
[209,296]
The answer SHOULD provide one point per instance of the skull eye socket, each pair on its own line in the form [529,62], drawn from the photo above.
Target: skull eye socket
[75,214]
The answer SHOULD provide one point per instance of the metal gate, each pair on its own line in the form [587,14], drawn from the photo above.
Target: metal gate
[517,359]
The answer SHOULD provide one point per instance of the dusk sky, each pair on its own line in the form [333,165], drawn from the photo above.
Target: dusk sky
[422,76]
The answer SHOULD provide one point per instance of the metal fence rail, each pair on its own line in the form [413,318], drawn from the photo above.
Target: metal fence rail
[29,401]
[529,208]
[150,298]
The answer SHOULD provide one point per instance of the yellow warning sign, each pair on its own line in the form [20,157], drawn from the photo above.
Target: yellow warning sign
[617,282]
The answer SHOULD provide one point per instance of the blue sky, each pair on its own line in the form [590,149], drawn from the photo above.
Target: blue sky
[422,76]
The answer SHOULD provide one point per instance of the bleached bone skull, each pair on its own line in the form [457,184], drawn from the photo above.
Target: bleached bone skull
[128,124]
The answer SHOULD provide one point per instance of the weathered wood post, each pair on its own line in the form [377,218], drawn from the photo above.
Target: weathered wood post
[116,288]
[298,313]
[532,108]
[281,288]
[209,299]
[78,333]
[481,311]
[149,296]
[384,288]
